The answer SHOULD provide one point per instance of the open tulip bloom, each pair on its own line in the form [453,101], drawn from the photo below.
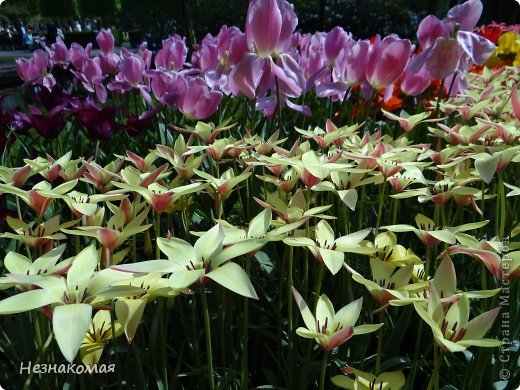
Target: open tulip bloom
[451,328]
[70,297]
[330,329]
[159,207]
[208,258]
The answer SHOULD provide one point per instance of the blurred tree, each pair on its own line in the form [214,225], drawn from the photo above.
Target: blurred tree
[13,9]
[99,8]
[59,8]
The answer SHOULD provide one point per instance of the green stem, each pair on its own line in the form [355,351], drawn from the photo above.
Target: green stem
[380,336]
[207,331]
[502,199]
[437,360]
[323,370]
[290,326]
[245,340]
[394,210]
[278,104]
[380,201]
[157,234]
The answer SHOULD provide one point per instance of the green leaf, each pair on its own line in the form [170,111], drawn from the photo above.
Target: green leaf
[70,324]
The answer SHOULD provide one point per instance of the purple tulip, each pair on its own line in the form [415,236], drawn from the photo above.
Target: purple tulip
[312,58]
[387,61]
[131,77]
[476,47]
[105,41]
[245,77]
[216,56]
[59,54]
[36,69]
[199,102]
[269,26]
[413,84]
[466,15]
[352,63]
[336,40]
[110,62]
[145,54]
[173,54]
[430,29]
[91,76]
[78,54]
[168,87]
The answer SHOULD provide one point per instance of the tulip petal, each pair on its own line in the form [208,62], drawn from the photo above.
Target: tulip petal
[234,278]
[308,318]
[70,324]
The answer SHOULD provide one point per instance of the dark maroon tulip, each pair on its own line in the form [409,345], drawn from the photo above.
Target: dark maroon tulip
[100,124]
[49,125]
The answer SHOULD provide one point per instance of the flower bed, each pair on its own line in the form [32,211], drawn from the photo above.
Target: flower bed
[288,210]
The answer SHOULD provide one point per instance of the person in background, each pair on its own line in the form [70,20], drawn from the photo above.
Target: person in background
[78,26]
[59,33]
[28,40]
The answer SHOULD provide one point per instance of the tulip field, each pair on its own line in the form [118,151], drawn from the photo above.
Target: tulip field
[269,209]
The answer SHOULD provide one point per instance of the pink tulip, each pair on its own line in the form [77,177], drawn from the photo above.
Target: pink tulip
[78,54]
[173,54]
[36,69]
[199,102]
[336,40]
[91,76]
[245,77]
[443,58]
[105,40]
[168,87]
[145,54]
[109,62]
[269,26]
[59,54]
[387,61]
[466,15]
[351,64]
[430,29]
[131,77]
[413,84]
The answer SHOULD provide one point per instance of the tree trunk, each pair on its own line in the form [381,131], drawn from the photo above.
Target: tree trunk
[321,16]
[187,22]
[432,7]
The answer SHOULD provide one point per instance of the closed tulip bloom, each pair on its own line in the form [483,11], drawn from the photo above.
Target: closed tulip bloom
[172,55]
[430,29]
[269,26]
[199,102]
[413,84]
[105,40]
[388,60]
[78,54]
[466,15]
